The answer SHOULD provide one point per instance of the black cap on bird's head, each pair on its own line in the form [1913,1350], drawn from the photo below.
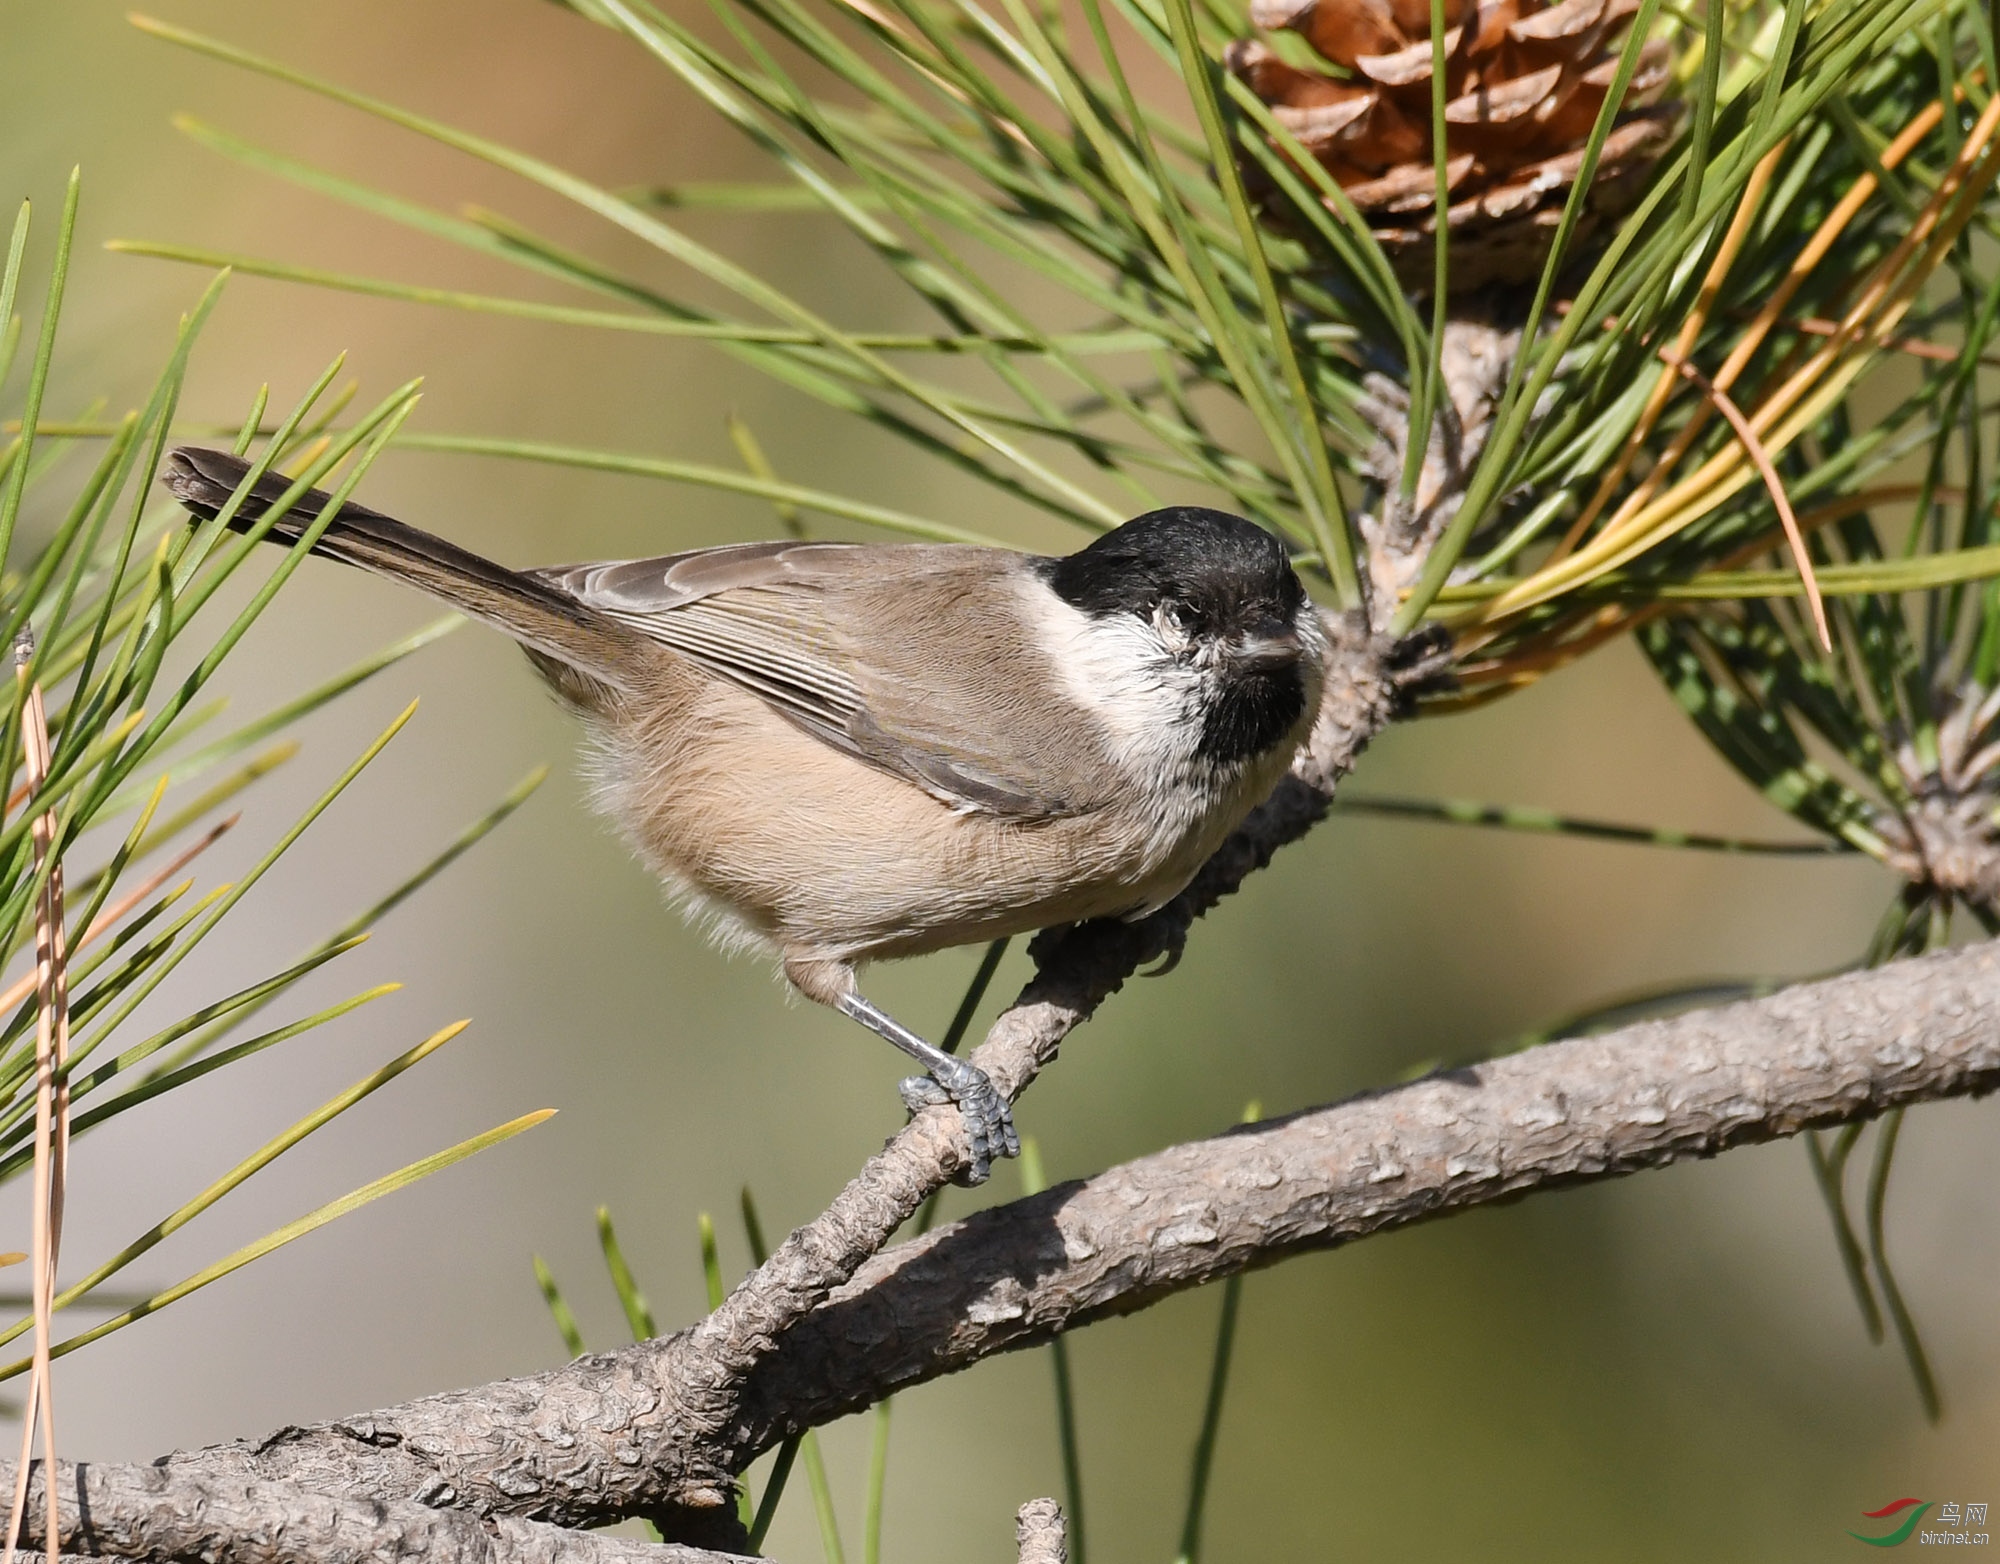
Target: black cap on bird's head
[1225,574]
[1221,589]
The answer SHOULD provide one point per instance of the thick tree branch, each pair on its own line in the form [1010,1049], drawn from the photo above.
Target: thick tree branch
[165,1514]
[1822,1053]
[1664,1091]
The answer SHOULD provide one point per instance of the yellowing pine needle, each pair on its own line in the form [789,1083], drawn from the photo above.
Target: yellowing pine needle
[1883,298]
[1915,347]
[1754,447]
[51,981]
[115,737]
[24,985]
[1690,335]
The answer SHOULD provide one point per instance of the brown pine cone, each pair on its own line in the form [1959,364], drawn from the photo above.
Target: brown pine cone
[1523,83]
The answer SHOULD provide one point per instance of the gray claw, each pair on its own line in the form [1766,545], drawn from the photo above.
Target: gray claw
[989,1123]
[920,1092]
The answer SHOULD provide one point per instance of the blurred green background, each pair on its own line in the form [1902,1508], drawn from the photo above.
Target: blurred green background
[1662,1367]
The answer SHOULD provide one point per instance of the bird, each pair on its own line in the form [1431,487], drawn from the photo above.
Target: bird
[837,753]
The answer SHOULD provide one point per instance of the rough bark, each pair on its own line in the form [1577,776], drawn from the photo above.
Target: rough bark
[1475,359]
[1039,1534]
[166,1513]
[1590,1108]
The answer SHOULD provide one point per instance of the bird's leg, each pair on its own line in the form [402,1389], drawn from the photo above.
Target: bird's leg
[989,1126]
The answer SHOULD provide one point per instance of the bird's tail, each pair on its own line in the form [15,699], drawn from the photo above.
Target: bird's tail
[552,625]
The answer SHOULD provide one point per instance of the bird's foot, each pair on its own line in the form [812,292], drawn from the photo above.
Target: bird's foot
[989,1123]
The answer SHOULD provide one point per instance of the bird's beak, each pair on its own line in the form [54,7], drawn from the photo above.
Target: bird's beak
[1273,644]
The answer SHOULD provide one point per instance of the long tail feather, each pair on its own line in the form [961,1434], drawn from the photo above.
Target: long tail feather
[550,623]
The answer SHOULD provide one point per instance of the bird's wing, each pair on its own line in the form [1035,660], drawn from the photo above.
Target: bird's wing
[803,627]
[737,612]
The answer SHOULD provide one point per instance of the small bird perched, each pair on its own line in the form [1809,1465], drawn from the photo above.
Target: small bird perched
[844,751]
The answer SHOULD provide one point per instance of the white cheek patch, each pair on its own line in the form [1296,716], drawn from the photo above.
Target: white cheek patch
[1120,670]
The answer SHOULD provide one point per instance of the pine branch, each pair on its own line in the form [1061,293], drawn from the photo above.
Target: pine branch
[144,1512]
[602,1438]
[1837,1051]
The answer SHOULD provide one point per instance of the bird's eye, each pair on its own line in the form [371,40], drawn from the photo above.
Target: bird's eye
[1182,617]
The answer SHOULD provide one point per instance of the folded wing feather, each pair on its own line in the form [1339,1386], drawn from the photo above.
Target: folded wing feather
[795,624]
